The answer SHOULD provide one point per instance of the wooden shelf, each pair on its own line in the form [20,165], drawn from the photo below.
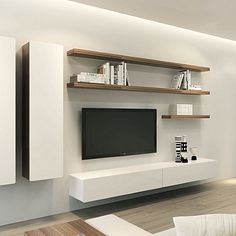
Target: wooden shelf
[136,89]
[134,60]
[185,116]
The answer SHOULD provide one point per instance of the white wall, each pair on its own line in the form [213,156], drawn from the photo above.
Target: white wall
[75,25]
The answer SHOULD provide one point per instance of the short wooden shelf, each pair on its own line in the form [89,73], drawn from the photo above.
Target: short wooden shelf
[134,60]
[185,116]
[136,89]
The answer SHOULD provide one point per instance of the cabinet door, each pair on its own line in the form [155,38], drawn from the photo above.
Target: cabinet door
[43,75]
[189,172]
[7,104]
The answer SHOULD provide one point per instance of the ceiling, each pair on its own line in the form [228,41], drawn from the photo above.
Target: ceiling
[215,17]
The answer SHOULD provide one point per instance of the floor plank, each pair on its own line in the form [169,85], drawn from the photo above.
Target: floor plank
[153,213]
[72,228]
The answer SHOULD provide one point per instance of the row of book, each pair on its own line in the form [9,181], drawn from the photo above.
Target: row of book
[107,73]
[183,80]
[115,73]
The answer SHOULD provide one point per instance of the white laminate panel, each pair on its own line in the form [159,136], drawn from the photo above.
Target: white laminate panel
[7,117]
[118,171]
[96,185]
[93,189]
[46,110]
[189,172]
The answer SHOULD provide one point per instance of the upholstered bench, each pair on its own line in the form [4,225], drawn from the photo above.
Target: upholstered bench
[211,224]
[112,225]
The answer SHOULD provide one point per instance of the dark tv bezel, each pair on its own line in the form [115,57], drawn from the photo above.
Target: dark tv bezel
[84,111]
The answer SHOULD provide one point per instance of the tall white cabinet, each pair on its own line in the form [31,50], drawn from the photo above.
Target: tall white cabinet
[43,111]
[7,117]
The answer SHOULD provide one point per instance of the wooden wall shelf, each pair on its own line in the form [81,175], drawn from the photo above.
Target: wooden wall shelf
[134,60]
[136,89]
[185,116]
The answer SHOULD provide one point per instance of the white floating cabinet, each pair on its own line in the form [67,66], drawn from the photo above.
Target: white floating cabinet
[102,184]
[7,117]
[42,111]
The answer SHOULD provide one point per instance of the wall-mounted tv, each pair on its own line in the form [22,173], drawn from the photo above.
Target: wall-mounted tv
[112,132]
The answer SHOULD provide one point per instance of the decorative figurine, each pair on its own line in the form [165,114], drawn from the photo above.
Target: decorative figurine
[193,150]
[181,149]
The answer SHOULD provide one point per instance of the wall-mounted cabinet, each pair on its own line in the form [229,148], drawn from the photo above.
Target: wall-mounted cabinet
[7,118]
[133,179]
[42,111]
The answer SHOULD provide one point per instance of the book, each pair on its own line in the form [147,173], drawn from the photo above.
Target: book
[127,78]
[88,78]
[105,69]
[120,74]
[184,84]
[177,81]
[112,77]
[124,73]
[189,82]
[116,74]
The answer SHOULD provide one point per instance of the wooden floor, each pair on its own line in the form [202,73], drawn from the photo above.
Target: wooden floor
[153,213]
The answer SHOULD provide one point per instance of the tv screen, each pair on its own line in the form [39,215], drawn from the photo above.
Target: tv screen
[117,132]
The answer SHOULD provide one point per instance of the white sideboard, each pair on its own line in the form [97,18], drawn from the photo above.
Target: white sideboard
[43,111]
[102,184]
[8,107]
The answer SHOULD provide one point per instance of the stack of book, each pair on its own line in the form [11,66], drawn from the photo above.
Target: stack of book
[182,80]
[108,73]
[86,77]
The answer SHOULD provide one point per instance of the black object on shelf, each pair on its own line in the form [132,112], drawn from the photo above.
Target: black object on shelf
[184,160]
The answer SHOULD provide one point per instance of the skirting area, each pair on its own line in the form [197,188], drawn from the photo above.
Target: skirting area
[152,213]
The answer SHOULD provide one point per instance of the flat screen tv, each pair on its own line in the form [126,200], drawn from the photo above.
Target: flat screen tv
[118,132]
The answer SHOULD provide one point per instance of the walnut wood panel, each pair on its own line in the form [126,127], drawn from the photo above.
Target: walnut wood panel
[134,60]
[136,89]
[25,108]
[185,116]
[69,229]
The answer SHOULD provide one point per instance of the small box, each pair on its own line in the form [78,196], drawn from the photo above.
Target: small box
[190,109]
[175,109]
[184,109]
[181,109]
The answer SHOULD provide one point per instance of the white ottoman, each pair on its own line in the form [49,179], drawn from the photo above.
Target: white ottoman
[112,225]
[169,232]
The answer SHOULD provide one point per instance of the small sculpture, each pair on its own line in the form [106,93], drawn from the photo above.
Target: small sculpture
[193,150]
[181,149]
